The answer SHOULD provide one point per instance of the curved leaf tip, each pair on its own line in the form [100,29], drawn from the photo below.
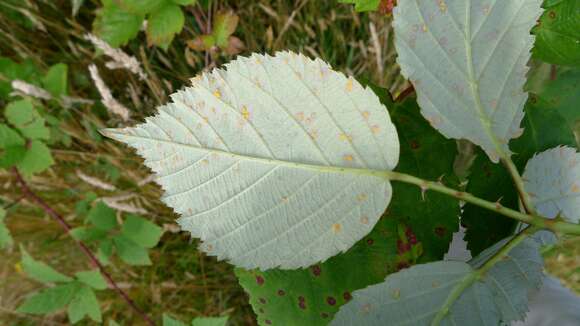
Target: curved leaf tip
[274,161]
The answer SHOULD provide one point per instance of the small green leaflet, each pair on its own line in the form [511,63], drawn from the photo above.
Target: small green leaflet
[116,26]
[84,303]
[163,24]
[50,299]
[552,178]
[22,115]
[55,80]
[40,271]
[558,33]
[363,5]
[92,278]
[199,321]
[209,321]
[261,137]
[130,252]
[141,7]
[102,217]
[144,233]
[467,62]
[416,295]
[5,237]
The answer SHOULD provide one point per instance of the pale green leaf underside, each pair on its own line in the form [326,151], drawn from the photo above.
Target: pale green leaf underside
[517,277]
[416,295]
[274,162]
[467,62]
[552,178]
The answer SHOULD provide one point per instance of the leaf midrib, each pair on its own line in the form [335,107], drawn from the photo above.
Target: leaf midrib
[299,165]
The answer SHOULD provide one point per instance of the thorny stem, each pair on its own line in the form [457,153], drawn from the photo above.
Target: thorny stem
[532,219]
[28,193]
[479,273]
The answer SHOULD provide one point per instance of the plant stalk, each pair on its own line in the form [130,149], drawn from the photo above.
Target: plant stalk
[532,219]
[28,193]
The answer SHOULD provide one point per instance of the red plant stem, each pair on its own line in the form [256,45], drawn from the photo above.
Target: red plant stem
[28,193]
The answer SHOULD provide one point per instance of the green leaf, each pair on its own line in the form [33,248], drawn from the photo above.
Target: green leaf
[363,5]
[276,295]
[224,25]
[414,296]
[40,271]
[562,94]
[35,159]
[558,33]
[141,7]
[12,148]
[92,278]
[163,24]
[141,231]
[105,251]
[468,76]
[88,234]
[10,70]
[5,237]
[55,81]
[431,216]
[116,26]
[130,252]
[83,206]
[210,321]
[552,180]
[244,161]
[184,2]
[83,304]
[102,216]
[9,137]
[169,321]
[549,121]
[49,300]
[22,115]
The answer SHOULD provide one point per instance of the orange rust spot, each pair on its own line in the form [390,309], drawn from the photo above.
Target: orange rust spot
[313,134]
[336,228]
[300,116]
[344,136]
[442,6]
[364,220]
[361,197]
[245,113]
[348,158]
[217,94]
[375,129]
[349,85]
[366,115]
[575,188]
